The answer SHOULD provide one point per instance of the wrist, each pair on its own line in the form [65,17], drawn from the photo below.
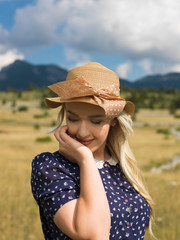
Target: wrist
[86,160]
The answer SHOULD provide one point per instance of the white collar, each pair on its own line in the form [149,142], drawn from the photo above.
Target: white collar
[100,163]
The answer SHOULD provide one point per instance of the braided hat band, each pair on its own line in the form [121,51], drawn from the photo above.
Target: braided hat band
[91,83]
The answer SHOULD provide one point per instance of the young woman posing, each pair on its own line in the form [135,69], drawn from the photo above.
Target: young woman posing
[91,187]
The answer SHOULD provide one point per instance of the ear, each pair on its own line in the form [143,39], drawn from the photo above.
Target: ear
[113,122]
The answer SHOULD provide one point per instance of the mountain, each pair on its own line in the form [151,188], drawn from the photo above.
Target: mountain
[170,80]
[20,75]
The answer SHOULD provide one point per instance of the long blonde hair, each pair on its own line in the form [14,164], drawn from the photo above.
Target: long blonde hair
[118,146]
[117,143]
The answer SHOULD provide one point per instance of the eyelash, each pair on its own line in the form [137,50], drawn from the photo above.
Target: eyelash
[94,122]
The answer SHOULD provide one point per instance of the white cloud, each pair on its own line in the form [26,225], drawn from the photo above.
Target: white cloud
[175,68]
[129,27]
[146,65]
[35,25]
[9,57]
[143,32]
[138,29]
[123,69]
[77,56]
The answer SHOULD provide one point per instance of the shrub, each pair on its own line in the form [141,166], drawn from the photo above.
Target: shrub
[43,105]
[43,139]
[13,103]
[4,101]
[53,123]
[45,114]
[177,115]
[163,130]
[23,108]
[36,126]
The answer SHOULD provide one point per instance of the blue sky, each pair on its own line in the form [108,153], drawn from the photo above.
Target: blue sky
[133,38]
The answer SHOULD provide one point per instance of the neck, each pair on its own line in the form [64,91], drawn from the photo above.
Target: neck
[103,156]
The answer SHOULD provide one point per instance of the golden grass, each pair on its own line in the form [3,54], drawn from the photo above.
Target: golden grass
[18,210]
[160,117]
[152,148]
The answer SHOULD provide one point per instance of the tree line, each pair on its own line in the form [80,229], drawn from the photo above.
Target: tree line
[143,98]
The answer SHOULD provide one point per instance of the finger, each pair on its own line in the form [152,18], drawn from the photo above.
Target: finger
[58,131]
[64,135]
[56,134]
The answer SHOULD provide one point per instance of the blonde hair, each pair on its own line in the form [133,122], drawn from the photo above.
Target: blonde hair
[118,146]
[117,143]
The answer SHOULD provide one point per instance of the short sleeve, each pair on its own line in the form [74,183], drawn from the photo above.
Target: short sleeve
[52,183]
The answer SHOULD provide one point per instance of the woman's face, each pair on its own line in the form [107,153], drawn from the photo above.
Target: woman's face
[87,124]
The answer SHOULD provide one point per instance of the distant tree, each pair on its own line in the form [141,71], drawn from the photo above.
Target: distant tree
[9,90]
[177,102]
[151,104]
[43,105]
[172,108]
[171,91]
[46,92]
[23,108]
[162,105]
[19,94]
[152,101]
[135,113]
[13,105]
[162,89]
[36,126]
[32,87]
[4,101]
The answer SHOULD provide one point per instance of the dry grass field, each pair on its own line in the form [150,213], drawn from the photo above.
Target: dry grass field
[19,131]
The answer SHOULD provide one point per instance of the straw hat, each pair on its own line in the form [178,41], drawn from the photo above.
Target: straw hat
[91,83]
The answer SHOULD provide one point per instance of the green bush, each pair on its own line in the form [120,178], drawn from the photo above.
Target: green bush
[163,130]
[45,114]
[36,126]
[53,123]
[23,108]
[43,105]
[13,103]
[43,139]
[177,115]
[4,101]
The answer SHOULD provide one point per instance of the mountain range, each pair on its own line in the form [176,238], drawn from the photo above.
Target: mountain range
[20,75]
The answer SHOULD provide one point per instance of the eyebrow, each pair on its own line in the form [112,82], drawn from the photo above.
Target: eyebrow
[92,116]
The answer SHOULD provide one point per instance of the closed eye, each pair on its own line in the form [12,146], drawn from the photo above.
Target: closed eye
[96,122]
[72,120]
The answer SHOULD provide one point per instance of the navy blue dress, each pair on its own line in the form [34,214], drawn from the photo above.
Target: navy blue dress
[56,181]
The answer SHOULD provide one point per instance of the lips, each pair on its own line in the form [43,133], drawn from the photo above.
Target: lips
[85,142]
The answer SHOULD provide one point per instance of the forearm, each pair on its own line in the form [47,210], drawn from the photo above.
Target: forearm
[92,215]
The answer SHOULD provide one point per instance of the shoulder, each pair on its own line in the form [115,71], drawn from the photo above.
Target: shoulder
[54,159]
[47,164]
[54,181]
[49,168]
[47,157]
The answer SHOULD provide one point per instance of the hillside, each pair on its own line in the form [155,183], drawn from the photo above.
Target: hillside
[20,75]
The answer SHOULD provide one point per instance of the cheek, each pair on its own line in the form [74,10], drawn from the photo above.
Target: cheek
[72,129]
[102,133]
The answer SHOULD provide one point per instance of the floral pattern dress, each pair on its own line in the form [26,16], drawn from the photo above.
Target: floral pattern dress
[56,181]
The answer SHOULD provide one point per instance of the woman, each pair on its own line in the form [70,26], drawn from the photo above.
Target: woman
[91,188]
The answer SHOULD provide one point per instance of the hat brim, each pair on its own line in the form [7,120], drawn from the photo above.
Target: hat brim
[129,108]
[57,101]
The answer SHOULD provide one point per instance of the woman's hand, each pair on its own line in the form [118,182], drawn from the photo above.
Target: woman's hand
[71,148]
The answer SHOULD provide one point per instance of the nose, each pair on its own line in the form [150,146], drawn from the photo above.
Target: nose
[83,131]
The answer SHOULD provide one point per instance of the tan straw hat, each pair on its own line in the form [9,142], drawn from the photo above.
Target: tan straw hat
[91,83]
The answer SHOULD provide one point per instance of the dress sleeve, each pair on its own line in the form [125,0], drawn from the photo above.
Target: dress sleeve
[52,183]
